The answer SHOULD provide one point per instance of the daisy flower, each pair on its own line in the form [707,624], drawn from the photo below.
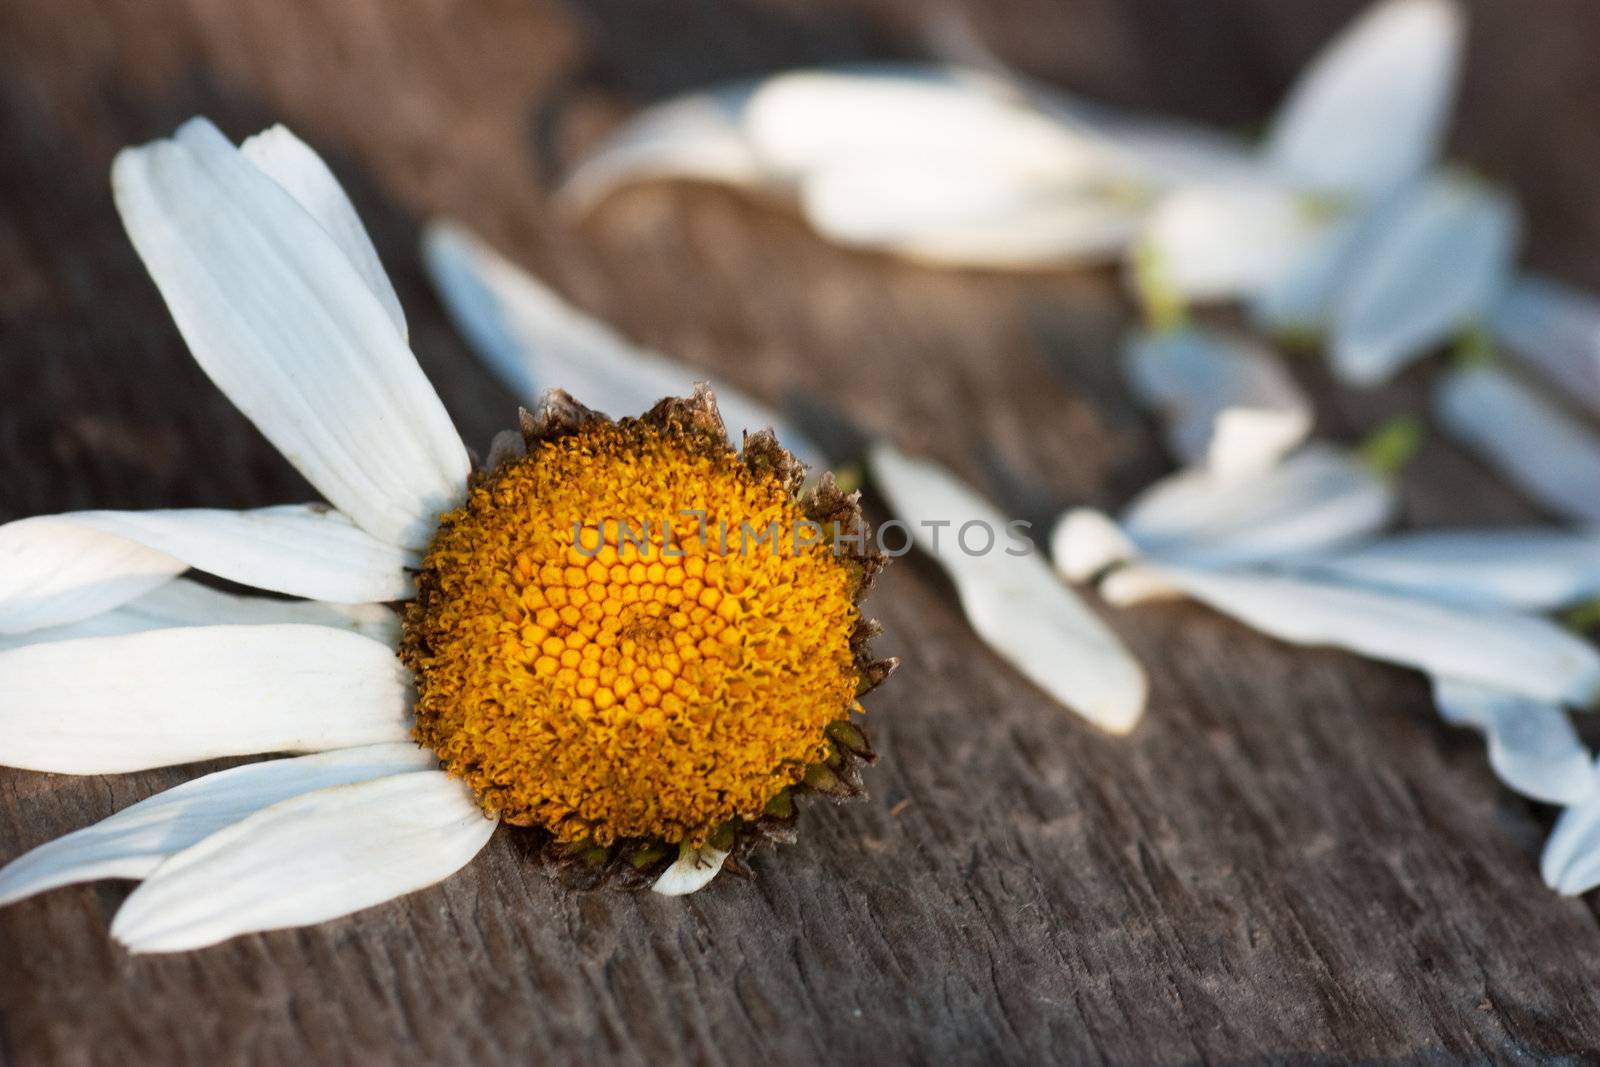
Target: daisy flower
[571,658]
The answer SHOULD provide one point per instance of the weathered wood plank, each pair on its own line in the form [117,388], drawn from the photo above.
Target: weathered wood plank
[1290,858]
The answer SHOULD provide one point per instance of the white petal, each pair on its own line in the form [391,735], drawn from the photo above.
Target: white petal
[1013,602]
[133,842]
[693,871]
[293,164]
[806,119]
[1544,452]
[1440,265]
[1086,542]
[1217,242]
[1229,404]
[1302,296]
[1371,109]
[1532,745]
[1316,499]
[62,568]
[182,602]
[1571,860]
[698,137]
[1556,329]
[277,315]
[1518,653]
[535,341]
[1535,569]
[102,704]
[305,860]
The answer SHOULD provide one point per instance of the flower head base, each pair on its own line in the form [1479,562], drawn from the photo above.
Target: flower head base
[631,633]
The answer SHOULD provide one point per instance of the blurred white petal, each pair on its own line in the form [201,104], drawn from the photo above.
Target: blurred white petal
[181,602]
[1532,745]
[1086,542]
[1302,296]
[1371,109]
[133,842]
[97,705]
[1439,265]
[280,318]
[699,137]
[693,870]
[1571,860]
[293,164]
[1161,153]
[1546,453]
[1229,404]
[1535,569]
[1014,603]
[1518,653]
[1221,241]
[1556,329]
[1318,498]
[804,120]
[305,860]
[62,568]
[535,341]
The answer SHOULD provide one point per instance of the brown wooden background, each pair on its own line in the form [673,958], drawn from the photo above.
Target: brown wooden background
[1291,860]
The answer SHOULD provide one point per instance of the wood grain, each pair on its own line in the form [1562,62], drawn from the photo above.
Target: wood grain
[1290,861]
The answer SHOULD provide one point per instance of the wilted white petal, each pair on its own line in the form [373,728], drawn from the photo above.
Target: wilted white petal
[1546,453]
[535,341]
[276,313]
[1534,569]
[62,568]
[1086,542]
[181,602]
[1532,745]
[1556,329]
[1317,499]
[1371,109]
[694,870]
[698,137]
[305,860]
[1518,653]
[964,216]
[1217,242]
[1439,265]
[102,704]
[1229,404]
[1013,602]
[293,164]
[1571,860]
[133,842]
[804,120]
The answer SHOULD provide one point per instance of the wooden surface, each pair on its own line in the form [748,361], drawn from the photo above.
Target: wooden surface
[1292,860]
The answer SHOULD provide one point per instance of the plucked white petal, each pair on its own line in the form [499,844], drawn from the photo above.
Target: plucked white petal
[278,316]
[305,860]
[181,602]
[1086,542]
[1317,499]
[804,120]
[698,137]
[1518,653]
[1438,267]
[1013,602]
[1543,451]
[1229,404]
[1371,109]
[62,568]
[1535,569]
[133,842]
[1555,328]
[293,164]
[97,705]
[694,869]
[1218,242]
[1532,745]
[534,341]
[1570,863]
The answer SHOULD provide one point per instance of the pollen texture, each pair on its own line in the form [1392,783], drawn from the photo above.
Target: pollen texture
[601,650]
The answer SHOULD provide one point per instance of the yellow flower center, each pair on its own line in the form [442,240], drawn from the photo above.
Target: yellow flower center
[629,634]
